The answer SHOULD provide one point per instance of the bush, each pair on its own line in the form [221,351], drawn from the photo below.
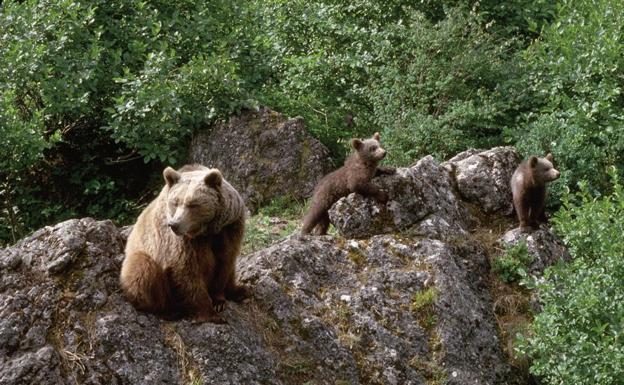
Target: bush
[578,336]
[441,88]
[90,92]
[574,72]
[512,266]
[429,73]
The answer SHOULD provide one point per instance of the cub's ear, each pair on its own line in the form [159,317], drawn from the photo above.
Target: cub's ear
[549,157]
[171,176]
[213,178]
[533,161]
[356,144]
[376,136]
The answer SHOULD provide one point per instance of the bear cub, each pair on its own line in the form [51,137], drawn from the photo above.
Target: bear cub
[528,187]
[181,253]
[355,176]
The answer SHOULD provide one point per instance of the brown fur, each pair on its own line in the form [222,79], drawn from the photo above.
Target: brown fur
[181,253]
[355,176]
[528,187]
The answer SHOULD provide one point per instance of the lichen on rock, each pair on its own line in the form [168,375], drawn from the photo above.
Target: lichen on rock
[263,155]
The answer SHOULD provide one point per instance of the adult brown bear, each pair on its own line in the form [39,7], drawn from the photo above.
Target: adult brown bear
[181,253]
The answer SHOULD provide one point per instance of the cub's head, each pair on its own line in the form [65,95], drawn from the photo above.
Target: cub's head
[369,149]
[192,199]
[543,168]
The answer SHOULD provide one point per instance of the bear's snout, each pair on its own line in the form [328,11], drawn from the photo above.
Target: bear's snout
[175,227]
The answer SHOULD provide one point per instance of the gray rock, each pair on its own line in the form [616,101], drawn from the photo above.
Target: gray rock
[422,201]
[482,177]
[407,304]
[386,310]
[545,247]
[263,155]
[41,366]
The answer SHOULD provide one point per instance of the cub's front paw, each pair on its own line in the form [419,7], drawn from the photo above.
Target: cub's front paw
[383,197]
[389,170]
[210,316]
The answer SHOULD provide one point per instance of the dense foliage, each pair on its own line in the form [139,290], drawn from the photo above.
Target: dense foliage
[579,336]
[575,74]
[97,96]
[92,91]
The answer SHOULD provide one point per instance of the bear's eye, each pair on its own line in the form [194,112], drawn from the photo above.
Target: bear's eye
[373,148]
[193,205]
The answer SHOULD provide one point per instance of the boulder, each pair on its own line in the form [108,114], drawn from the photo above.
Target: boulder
[422,202]
[482,177]
[546,247]
[386,310]
[263,155]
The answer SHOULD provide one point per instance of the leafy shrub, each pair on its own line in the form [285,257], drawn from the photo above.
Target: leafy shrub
[512,266]
[578,336]
[428,73]
[90,91]
[441,88]
[574,74]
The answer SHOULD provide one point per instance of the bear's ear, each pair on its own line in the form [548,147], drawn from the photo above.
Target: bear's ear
[549,157]
[213,178]
[171,176]
[533,161]
[356,144]
[376,136]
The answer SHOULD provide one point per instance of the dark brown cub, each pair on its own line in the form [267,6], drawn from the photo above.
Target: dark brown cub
[355,176]
[528,186]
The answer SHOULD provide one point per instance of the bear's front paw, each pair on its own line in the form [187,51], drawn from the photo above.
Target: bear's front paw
[389,170]
[382,197]
[238,293]
[218,303]
[209,316]
[526,229]
[385,170]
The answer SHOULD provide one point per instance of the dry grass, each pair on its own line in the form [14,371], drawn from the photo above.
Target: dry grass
[190,374]
[510,301]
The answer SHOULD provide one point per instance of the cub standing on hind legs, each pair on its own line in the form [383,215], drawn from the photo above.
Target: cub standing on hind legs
[355,176]
[181,253]
[528,187]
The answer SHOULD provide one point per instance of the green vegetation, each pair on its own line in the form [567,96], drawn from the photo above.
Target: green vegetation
[97,97]
[578,337]
[574,75]
[273,222]
[513,265]
[423,299]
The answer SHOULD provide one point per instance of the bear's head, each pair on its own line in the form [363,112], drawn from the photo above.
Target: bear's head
[369,149]
[543,169]
[192,200]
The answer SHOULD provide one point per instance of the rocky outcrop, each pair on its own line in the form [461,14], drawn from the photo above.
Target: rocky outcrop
[482,177]
[422,201]
[402,298]
[546,248]
[387,310]
[263,155]
[427,198]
